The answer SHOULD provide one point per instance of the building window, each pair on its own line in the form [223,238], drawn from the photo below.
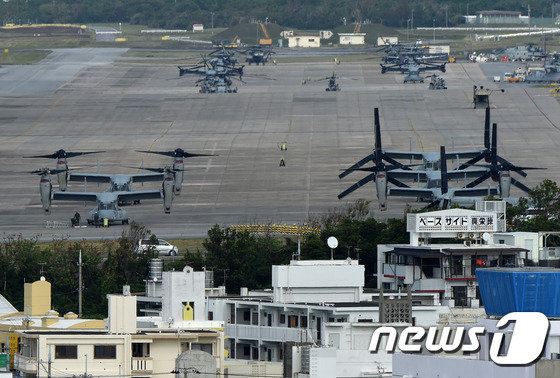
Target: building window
[138,350]
[105,352]
[69,352]
[303,321]
[210,315]
[282,318]
[246,315]
[311,40]
[246,350]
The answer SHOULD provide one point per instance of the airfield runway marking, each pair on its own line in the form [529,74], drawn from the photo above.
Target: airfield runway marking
[540,110]
[417,135]
[37,121]
[69,80]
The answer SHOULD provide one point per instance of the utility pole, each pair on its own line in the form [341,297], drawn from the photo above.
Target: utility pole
[447,6]
[212,22]
[80,286]
[49,363]
[434,29]
[529,13]
[412,20]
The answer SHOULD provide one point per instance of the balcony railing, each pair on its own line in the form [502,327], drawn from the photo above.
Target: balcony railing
[142,365]
[25,364]
[277,334]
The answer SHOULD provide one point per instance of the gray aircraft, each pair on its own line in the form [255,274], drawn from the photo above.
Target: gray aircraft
[117,182]
[430,160]
[431,171]
[178,156]
[498,169]
[62,164]
[442,194]
[107,202]
[413,69]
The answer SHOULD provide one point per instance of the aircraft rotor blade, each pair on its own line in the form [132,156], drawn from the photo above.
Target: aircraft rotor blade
[444,178]
[487,129]
[396,182]
[479,180]
[359,164]
[521,186]
[365,180]
[471,162]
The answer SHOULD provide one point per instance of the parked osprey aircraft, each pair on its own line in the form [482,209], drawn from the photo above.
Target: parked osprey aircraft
[433,171]
[106,202]
[413,68]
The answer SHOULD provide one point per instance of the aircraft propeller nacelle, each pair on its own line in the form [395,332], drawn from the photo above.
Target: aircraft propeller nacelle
[62,175]
[505,184]
[45,187]
[178,167]
[381,184]
[168,191]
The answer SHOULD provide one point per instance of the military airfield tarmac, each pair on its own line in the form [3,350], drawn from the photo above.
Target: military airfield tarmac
[83,100]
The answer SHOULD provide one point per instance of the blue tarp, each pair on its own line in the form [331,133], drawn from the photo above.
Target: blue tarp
[520,290]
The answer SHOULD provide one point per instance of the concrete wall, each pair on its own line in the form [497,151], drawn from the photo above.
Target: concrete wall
[318,281]
[181,289]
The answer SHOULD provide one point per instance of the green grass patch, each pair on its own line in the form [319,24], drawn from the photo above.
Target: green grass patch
[22,57]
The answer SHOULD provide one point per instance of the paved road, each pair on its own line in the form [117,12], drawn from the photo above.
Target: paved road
[58,67]
[121,108]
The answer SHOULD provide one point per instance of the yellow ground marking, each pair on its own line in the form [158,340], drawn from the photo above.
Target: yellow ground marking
[69,80]
[417,135]
[158,138]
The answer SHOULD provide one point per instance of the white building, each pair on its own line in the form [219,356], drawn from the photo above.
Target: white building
[197,28]
[352,38]
[538,243]
[313,281]
[307,299]
[497,17]
[504,298]
[447,269]
[304,41]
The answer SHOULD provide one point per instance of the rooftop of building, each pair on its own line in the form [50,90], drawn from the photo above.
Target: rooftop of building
[498,12]
[436,250]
